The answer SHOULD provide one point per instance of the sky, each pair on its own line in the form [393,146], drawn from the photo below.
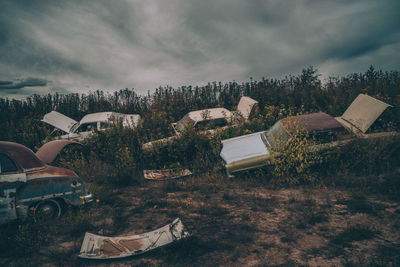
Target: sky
[81,45]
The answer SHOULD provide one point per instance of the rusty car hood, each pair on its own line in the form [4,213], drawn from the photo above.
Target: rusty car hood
[49,151]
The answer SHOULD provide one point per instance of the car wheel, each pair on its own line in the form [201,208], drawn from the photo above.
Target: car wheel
[46,210]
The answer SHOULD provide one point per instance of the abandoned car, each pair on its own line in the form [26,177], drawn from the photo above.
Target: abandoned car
[84,128]
[208,120]
[28,186]
[254,150]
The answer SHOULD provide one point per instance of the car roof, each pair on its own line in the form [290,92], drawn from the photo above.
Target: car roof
[212,113]
[20,154]
[314,122]
[94,117]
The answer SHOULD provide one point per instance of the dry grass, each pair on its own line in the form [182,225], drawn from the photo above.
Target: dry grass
[233,222]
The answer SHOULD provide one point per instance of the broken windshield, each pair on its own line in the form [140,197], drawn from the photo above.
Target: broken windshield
[276,134]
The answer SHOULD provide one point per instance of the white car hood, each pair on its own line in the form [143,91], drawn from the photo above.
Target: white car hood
[59,121]
[243,147]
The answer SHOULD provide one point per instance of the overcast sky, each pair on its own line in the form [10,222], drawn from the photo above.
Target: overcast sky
[78,45]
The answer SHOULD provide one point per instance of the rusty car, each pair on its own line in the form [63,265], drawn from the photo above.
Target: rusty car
[69,129]
[256,150]
[31,187]
[207,121]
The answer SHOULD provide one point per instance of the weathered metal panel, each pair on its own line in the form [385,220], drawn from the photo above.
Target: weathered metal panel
[314,122]
[50,171]
[59,121]
[245,106]
[212,113]
[70,189]
[166,174]
[102,247]
[363,112]
[49,151]
[94,117]
[243,147]
[21,155]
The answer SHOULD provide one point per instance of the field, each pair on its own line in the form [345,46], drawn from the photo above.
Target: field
[237,222]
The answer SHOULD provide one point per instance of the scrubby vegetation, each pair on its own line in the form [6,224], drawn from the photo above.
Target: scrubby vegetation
[115,156]
[113,159]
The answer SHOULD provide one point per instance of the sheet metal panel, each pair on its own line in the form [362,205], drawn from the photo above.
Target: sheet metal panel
[243,147]
[245,106]
[49,151]
[59,121]
[363,112]
[22,155]
[102,247]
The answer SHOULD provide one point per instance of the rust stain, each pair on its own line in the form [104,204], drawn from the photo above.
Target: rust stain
[21,155]
[132,244]
[110,248]
[50,171]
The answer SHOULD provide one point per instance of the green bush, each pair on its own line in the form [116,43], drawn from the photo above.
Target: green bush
[296,160]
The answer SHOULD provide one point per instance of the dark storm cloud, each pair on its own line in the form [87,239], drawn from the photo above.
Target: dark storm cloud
[29,82]
[90,45]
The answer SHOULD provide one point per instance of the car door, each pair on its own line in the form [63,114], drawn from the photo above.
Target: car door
[11,177]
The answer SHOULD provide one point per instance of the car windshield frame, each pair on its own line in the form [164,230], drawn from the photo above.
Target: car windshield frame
[277,131]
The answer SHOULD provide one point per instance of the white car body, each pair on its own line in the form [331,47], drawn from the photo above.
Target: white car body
[254,150]
[220,117]
[84,128]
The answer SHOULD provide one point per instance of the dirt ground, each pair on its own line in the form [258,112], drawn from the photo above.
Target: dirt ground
[236,222]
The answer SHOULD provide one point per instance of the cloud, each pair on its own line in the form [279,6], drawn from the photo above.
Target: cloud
[89,45]
[28,82]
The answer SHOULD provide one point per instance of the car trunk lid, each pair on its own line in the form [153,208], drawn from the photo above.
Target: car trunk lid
[245,106]
[363,112]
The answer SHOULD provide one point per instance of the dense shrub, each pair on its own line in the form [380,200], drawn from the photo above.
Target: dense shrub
[114,156]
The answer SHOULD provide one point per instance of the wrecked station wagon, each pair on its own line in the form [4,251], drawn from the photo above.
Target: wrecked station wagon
[207,121]
[81,130]
[255,150]
[29,186]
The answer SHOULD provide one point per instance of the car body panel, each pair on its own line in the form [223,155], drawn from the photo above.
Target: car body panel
[60,121]
[363,112]
[102,247]
[49,151]
[245,106]
[84,128]
[243,147]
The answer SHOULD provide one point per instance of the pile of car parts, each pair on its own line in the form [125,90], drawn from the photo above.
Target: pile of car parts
[102,247]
